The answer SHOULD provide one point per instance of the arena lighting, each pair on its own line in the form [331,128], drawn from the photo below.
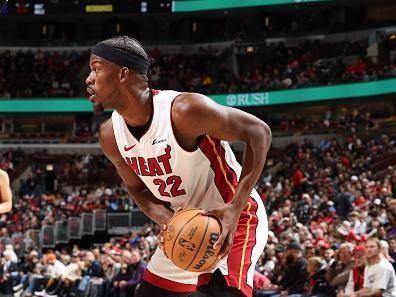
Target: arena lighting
[143,7]
[39,9]
[250,49]
[49,167]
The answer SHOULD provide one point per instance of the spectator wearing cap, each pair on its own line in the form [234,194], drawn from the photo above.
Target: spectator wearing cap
[338,273]
[295,272]
[55,270]
[70,277]
[356,276]
[358,227]
[278,272]
[379,275]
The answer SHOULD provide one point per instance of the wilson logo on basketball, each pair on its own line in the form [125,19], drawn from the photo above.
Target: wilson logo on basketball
[209,252]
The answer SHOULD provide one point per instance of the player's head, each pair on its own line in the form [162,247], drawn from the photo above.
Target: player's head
[117,64]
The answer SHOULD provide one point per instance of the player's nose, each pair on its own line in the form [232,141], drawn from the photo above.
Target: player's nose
[89,80]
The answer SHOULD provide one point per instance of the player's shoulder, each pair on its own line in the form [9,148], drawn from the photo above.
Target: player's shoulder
[107,139]
[190,103]
[106,129]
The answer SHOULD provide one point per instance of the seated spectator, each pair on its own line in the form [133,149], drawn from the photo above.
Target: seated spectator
[93,277]
[8,272]
[296,271]
[69,279]
[26,268]
[338,273]
[130,275]
[55,270]
[316,284]
[36,277]
[356,276]
[379,275]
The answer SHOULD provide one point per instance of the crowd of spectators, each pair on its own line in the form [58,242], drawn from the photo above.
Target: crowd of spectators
[323,207]
[277,67]
[25,74]
[325,203]
[113,269]
[208,70]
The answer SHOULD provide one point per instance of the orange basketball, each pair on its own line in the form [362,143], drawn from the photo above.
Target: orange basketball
[189,239]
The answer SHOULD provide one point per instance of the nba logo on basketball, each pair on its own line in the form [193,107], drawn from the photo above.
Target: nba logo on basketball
[189,240]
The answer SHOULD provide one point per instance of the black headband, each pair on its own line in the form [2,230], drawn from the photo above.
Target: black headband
[121,58]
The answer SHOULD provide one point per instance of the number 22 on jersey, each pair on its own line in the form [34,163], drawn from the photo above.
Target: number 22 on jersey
[170,187]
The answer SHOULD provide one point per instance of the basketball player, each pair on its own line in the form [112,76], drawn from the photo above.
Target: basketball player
[5,192]
[171,150]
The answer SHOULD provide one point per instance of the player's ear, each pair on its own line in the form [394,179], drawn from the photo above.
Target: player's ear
[123,74]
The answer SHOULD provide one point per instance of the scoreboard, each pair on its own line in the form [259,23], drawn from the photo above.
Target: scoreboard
[62,7]
[78,7]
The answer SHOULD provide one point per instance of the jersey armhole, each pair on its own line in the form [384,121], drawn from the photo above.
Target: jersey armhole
[183,149]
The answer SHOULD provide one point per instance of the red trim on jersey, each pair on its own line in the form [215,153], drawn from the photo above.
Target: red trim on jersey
[204,278]
[167,284]
[214,151]
[235,256]
[154,92]
[252,236]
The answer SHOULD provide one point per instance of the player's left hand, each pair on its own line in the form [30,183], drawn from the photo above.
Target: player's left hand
[228,216]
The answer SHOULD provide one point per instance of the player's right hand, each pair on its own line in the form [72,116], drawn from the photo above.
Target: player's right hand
[162,233]
[162,238]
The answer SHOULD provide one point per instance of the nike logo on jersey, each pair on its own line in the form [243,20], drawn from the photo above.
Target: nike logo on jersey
[129,148]
[155,141]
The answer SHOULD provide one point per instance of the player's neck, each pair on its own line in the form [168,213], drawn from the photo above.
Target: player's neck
[140,110]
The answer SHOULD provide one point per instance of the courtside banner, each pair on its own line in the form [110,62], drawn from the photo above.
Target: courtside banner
[345,91]
[197,5]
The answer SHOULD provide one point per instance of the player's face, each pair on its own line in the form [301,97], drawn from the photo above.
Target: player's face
[103,82]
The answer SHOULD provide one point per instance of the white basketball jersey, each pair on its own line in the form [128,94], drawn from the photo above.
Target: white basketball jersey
[204,178]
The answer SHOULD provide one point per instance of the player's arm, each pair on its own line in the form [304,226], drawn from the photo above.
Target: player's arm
[155,209]
[194,115]
[5,190]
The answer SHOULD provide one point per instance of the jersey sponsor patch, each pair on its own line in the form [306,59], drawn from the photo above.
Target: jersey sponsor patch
[158,140]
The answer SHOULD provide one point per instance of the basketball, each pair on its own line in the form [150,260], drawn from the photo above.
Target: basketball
[189,240]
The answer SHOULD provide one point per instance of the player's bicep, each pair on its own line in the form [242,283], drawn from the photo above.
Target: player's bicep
[198,115]
[233,124]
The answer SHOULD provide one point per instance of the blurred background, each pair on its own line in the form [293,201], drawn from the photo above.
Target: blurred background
[321,73]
